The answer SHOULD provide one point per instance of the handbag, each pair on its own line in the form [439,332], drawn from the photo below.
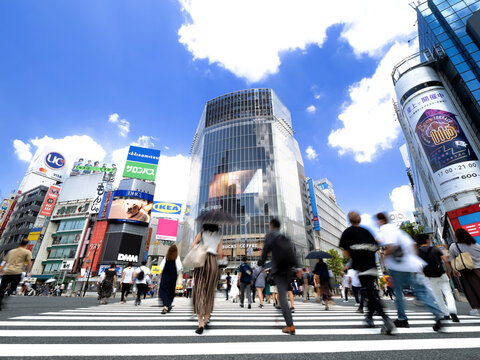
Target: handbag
[222,263]
[196,256]
[463,261]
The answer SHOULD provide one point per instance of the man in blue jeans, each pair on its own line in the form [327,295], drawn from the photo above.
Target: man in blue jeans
[245,278]
[405,268]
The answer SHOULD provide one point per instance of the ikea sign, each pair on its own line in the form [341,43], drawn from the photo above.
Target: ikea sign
[162,207]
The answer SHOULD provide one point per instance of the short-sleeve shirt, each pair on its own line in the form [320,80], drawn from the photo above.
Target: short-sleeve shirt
[246,271]
[361,245]
[146,271]
[128,274]
[321,270]
[16,260]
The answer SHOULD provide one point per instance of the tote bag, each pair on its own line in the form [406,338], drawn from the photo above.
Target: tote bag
[463,261]
[196,256]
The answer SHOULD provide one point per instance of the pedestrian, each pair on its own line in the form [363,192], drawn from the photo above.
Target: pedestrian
[228,283]
[107,282]
[62,288]
[235,290]
[389,287]
[70,288]
[258,281]
[346,284]
[189,288]
[283,261]
[206,277]
[360,245]
[56,290]
[306,285]
[15,261]
[171,267]
[323,282]
[438,276]
[140,278]
[356,287]
[470,279]
[245,280]
[405,268]
[127,281]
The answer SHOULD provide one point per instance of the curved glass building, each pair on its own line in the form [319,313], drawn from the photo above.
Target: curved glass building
[246,161]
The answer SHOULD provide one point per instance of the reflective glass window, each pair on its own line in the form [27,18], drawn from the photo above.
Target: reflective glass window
[474,7]
[464,12]
[452,51]
[476,95]
[462,67]
[473,84]
[443,5]
[457,25]
[467,76]
[452,18]
[472,47]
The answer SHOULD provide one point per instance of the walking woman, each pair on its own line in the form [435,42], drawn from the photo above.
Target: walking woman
[108,280]
[234,291]
[206,277]
[323,281]
[171,266]
[127,281]
[470,278]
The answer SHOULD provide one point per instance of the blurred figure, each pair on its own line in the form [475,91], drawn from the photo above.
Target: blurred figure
[228,284]
[258,281]
[107,282]
[171,266]
[234,291]
[322,277]
[245,280]
[141,279]
[470,278]
[127,281]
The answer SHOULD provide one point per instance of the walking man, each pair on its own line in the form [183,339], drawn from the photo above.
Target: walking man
[228,283]
[360,245]
[405,268]
[140,278]
[14,262]
[283,261]
[245,278]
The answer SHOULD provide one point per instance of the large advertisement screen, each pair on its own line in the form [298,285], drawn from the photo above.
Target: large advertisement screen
[134,206]
[86,167]
[167,229]
[236,183]
[467,218]
[122,247]
[438,131]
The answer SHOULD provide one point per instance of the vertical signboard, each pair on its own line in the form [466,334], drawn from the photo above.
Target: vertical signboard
[50,200]
[436,126]
[4,208]
[141,163]
[97,200]
[313,201]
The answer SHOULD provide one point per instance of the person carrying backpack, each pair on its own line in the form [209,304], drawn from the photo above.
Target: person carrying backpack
[438,278]
[245,279]
[140,279]
[283,260]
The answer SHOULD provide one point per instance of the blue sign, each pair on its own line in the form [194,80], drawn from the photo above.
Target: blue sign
[167,208]
[133,194]
[55,160]
[102,269]
[143,155]
[313,201]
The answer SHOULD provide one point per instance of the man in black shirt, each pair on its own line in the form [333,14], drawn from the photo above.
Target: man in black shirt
[228,283]
[360,245]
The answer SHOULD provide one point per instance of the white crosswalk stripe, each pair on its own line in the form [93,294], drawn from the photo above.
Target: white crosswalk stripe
[112,330]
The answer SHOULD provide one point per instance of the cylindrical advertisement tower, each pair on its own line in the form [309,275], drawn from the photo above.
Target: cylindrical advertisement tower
[437,129]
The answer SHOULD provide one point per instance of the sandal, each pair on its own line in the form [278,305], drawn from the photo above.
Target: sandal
[164,311]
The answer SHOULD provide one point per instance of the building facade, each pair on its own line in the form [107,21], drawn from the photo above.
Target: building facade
[246,161]
[328,218]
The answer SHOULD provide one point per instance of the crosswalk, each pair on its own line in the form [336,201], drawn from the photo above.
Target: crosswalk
[117,330]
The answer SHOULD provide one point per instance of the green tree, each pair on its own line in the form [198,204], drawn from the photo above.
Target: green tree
[336,263]
[412,229]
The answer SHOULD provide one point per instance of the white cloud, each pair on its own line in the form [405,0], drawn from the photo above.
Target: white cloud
[22,150]
[123,125]
[317,96]
[216,29]
[72,147]
[311,153]
[369,222]
[166,147]
[145,141]
[402,200]
[368,119]
[311,109]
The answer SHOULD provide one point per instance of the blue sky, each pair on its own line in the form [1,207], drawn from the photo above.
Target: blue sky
[68,66]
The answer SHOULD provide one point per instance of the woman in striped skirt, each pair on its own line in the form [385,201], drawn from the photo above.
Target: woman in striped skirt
[206,277]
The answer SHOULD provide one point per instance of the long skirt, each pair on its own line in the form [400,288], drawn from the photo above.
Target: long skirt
[206,280]
[471,285]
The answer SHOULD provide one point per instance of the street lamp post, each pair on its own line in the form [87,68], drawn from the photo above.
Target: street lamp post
[90,269]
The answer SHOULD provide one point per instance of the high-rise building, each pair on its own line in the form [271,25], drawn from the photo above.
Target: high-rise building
[246,161]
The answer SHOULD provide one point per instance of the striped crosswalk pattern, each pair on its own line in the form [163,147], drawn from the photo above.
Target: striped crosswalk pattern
[116,330]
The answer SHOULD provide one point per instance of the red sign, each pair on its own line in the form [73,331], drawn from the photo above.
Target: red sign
[50,200]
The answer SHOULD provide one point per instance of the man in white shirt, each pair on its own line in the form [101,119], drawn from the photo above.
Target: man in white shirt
[142,276]
[356,288]
[127,281]
[405,268]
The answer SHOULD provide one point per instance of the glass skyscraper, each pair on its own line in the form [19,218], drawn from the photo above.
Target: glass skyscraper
[246,161]
[451,29]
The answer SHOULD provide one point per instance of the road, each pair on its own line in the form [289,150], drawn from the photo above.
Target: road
[59,327]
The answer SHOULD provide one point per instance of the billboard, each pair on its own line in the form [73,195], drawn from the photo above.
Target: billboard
[436,126]
[50,200]
[236,183]
[467,218]
[313,201]
[141,163]
[122,247]
[162,207]
[4,208]
[86,167]
[49,163]
[128,205]
[167,229]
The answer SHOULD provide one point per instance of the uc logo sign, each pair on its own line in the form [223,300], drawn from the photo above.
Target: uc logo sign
[55,160]
[167,208]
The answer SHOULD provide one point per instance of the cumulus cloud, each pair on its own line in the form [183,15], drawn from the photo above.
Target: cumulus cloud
[145,141]
[22,150]
[402,200]
[311,153]
[71,147]
[276,26]
[367,117]
[123,125]
[311,109]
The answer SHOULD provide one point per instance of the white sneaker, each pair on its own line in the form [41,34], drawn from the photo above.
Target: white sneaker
[474,312]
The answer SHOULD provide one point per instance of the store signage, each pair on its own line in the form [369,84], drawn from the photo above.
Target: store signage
[67,265]
[167,208]
[140,171]
[97,201]
[50,200]
[54,160]
[127,257]
[143,155]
